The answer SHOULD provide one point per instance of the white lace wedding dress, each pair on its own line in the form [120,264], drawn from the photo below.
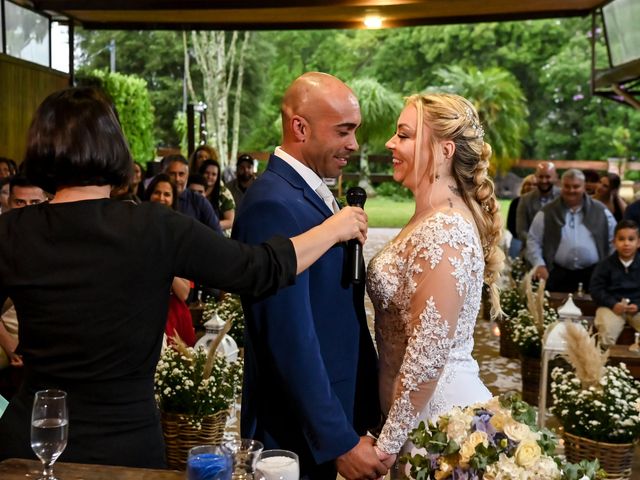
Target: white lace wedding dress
[426,288]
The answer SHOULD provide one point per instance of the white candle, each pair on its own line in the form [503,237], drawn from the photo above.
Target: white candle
[279,468]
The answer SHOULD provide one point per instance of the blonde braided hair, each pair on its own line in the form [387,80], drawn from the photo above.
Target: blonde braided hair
[452,117]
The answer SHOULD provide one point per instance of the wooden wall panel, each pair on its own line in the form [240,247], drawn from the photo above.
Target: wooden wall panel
[23,86]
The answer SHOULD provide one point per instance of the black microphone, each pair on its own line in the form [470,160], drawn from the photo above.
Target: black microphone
[356,197]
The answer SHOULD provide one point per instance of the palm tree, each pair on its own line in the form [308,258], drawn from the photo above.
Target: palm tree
[379,107]
[501,105]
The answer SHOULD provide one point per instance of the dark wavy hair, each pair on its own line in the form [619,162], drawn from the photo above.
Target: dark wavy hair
[162,177]
[75,139]
[214,196]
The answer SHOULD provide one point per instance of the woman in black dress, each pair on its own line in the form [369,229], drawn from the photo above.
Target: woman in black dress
[90,277]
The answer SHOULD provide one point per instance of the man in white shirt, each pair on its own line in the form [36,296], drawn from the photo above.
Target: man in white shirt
[569,236]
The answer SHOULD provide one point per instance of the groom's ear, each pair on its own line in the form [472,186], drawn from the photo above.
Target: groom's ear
[300,128]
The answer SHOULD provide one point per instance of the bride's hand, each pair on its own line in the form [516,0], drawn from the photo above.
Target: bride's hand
[348,223]
[387,459]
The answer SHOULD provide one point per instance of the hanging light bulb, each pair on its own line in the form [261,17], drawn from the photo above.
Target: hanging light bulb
[373,21]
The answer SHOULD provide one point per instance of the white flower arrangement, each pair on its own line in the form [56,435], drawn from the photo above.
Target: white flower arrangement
[193,383]
[596,401]
[495,440]
[526,334]
[228,309]
[607,412]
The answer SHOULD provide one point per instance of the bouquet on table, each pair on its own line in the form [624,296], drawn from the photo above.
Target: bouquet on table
[494,440]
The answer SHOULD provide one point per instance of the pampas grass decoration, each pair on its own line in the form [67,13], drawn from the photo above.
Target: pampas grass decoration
[181,347]
[213,346]
[535,301]
[584,355]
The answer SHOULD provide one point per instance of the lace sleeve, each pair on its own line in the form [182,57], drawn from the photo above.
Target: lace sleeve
[442,253]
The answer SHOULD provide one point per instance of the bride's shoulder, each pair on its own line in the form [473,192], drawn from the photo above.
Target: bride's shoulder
[447,219]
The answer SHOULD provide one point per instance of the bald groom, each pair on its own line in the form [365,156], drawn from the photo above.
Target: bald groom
[310,382]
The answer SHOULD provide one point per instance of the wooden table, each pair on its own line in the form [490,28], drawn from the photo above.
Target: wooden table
[20,469]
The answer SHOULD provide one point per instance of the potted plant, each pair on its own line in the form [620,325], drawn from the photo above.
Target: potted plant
[598,406]
[194,390]
[493,440]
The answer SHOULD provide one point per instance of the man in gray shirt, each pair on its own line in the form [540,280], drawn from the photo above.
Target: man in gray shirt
[569,236]
[532,202]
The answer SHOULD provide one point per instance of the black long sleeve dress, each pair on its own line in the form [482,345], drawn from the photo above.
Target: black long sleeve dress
[90,283]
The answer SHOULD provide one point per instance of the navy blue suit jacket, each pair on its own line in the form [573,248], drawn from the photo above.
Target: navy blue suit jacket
[310,379]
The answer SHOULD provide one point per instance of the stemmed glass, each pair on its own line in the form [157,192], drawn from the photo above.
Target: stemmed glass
[49,428]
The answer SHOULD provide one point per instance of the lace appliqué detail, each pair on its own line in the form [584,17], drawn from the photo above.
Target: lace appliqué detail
[417,355]
[426,355]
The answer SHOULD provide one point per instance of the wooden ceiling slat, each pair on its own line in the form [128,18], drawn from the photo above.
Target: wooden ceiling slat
[289,14]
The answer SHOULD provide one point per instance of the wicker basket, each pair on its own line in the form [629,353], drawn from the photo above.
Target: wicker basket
[615,458]
[530,371]
[508,348]
[180,436]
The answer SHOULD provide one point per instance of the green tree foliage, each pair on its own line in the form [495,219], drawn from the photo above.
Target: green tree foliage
[379,108]
[548,58]
[576,124]
[501,105]
[131,98]
[155,56]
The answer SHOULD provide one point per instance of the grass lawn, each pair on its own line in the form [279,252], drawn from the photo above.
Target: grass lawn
[389,213]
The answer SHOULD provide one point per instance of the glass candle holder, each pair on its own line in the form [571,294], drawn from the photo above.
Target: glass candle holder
[245,454]
[209,462]
[278,465]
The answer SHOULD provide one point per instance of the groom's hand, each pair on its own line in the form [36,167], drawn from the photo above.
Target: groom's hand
[387,459]
[361,462]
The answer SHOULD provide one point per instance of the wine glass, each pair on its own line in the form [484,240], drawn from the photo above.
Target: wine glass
[49,428]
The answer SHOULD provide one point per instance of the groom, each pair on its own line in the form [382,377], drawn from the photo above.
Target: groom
[310,378]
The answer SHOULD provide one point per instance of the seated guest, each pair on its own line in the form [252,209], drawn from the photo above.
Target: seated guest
[632,212]
[9,338]
[4,194]
[245,176]
[197,183]
[200,155]
[569,236]
[23,193]
[189,203]
[162,190]
[7,167]
[218,194]
[89,278]
[137,183]
[608,192]
[591,181]
[545,191]
[615,285]
[528,184]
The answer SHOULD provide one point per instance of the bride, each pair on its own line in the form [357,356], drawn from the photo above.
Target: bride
[426,283]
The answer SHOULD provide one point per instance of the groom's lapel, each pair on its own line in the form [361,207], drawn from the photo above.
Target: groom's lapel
[284,170]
